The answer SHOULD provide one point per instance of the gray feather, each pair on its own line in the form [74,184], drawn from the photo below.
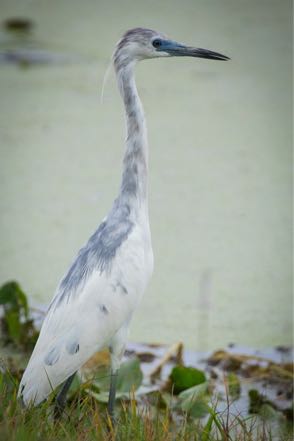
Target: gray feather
[103,309]
[52,357]
[98,253]
[72,347]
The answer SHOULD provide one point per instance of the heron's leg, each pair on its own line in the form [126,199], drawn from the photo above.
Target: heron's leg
[116,349]
[61,397]
[111,397]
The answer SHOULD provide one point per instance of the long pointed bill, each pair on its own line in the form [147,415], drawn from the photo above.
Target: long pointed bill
[179,50]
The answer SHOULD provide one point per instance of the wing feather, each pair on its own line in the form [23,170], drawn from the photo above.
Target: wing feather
[71,334]
[81,324]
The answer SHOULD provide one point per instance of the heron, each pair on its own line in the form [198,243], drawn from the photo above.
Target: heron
[94,303]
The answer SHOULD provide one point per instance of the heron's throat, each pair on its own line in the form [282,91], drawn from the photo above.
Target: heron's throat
[135,163]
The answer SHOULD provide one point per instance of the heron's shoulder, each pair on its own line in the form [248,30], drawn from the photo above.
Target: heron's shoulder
[98,253]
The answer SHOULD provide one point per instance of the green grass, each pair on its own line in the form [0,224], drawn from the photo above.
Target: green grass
[85,419]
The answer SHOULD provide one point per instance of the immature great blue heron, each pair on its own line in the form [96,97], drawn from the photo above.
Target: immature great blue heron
[95,300]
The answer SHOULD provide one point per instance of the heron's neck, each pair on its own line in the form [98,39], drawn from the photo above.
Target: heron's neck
[135,164]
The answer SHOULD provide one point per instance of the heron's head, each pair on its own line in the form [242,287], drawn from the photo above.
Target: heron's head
[139,43]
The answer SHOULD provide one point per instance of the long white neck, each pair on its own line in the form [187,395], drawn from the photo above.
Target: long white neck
[135,164]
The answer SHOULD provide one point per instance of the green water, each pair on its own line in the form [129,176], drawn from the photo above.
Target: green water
[220,161]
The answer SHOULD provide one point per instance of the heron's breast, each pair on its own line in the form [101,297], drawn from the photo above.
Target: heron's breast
[135,261]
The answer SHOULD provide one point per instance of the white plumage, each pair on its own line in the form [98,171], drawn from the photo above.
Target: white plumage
[98,317]
[95,300]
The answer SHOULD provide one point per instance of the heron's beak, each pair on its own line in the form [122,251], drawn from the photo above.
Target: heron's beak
[179,50]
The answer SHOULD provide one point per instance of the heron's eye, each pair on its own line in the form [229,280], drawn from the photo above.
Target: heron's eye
[156,43]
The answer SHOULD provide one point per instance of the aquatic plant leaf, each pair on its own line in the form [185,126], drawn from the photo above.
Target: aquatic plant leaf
[261,405]
[102,396]
[199,409]
[158,399]
[13,297]
[183,378]
[16,325]
[129,376]
[102,379]
[255,401]
[234,385]
[267,412]
[195,392]
[194,400]
[13,325]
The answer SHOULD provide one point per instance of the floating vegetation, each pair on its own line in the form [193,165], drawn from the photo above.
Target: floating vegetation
[234,385]
[26,57]
[18,25]
[163,393]
[20,47]
[251,365]
[183,377]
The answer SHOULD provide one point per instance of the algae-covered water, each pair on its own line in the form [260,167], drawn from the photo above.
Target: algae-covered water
[220,159]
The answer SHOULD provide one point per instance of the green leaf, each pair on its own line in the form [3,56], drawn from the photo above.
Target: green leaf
[256,400]
[102,379]
[195,392]
[262,406]
[194,400]
[158,399]
[183,378]
[8,294]
[102,397]
[11,294]
[129,378]
[14,325]
[267,412]
[17,327]
[199,409]
[234,385]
